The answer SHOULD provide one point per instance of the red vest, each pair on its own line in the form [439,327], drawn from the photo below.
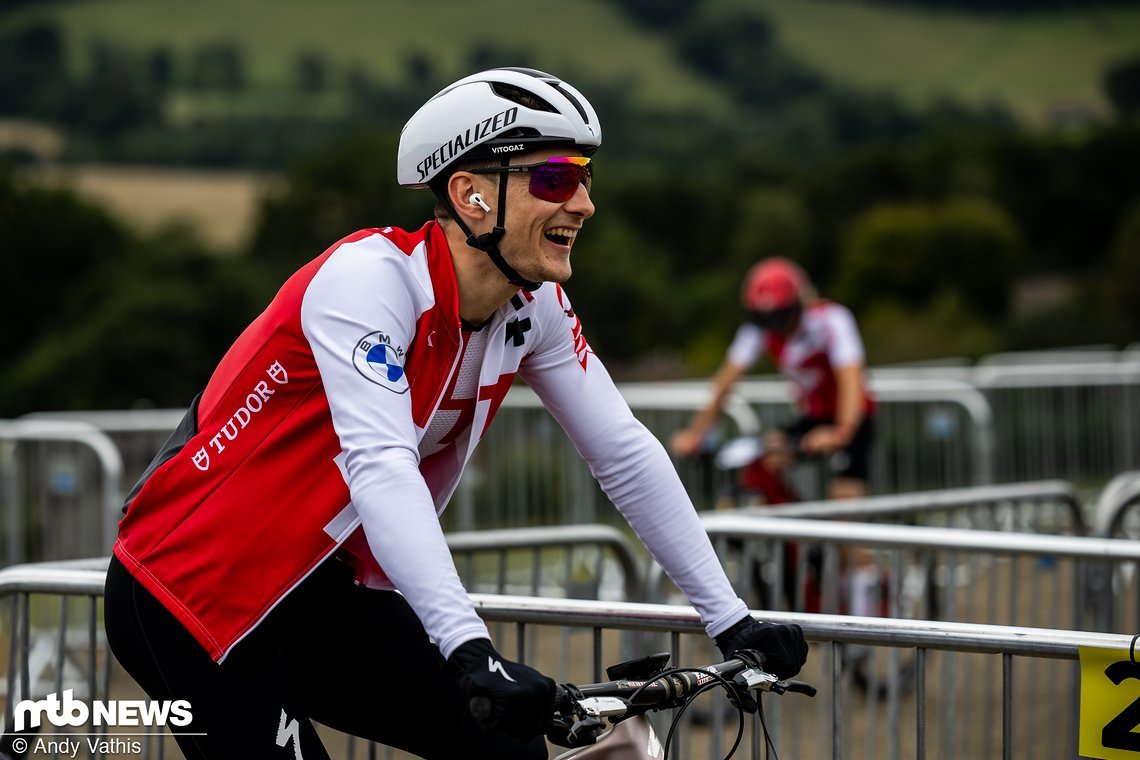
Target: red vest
[249,506]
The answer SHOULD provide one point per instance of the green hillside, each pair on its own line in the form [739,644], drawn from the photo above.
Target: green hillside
[382,35]
[1034,63]
[1038,65]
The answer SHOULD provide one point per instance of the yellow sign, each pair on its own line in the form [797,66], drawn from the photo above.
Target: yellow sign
[1110,704]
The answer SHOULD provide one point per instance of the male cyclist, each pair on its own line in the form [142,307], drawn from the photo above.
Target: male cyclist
[816,346]
[282,559]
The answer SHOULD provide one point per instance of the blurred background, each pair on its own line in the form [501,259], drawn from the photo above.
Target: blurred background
[964,175]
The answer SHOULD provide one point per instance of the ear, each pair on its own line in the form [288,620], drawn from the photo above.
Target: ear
[460,187]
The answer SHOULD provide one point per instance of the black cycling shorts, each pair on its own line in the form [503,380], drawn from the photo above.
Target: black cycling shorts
[355,659]
[852,461]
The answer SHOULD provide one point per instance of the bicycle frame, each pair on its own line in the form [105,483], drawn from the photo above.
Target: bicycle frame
[632,739]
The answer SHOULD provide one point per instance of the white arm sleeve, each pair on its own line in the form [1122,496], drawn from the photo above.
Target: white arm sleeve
[844,346]
[747,346]
[360,290]
[631,465]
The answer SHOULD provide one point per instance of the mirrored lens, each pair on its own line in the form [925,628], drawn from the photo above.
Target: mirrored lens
[557,179]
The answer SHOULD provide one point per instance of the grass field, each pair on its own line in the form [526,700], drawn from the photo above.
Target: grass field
[221,206]
[380,36]
[1036,64]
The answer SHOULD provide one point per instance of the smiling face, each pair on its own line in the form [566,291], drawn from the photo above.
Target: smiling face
[540,234]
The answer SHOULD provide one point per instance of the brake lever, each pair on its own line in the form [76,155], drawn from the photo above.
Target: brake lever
[579,732]
[585,731]
[741,694]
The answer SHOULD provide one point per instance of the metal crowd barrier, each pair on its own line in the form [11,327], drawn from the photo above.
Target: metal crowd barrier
[1010,417]
[79,496]
[1082,420]
[596,562]
[1114,515]
[931,432]
[1014,676]
[569,561]
[526,470]
[1049,506]
[967,575]
[137,433]
[975,576]
[1003,420]
[838,726]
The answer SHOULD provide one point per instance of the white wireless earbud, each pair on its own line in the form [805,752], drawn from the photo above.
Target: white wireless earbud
[478,201]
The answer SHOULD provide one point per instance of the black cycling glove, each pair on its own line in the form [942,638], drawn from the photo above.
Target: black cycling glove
[783,646]
[506,696]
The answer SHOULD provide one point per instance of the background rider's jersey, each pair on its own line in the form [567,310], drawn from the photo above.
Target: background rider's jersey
[827,339]
[341,420]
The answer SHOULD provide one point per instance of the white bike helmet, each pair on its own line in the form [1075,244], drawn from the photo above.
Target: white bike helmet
[492,114]
[498,108]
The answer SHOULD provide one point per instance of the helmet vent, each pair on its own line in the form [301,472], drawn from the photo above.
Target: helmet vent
[574,100]
[522,97]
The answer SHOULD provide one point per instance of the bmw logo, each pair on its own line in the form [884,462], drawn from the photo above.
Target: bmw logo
[380,361]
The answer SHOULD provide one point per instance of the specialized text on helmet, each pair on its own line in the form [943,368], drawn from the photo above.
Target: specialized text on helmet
[464,140]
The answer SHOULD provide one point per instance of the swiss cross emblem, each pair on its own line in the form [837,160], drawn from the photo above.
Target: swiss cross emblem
[517,329]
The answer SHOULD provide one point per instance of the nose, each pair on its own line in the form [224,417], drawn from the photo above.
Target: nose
[580,203]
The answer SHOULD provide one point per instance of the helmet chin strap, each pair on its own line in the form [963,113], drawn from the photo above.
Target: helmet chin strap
[488,242]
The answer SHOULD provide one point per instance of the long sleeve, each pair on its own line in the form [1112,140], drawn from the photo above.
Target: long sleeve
[629,463]
[365,295]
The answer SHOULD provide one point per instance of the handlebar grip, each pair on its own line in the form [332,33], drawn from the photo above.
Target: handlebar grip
[480,708]
[563,703]
[800,687]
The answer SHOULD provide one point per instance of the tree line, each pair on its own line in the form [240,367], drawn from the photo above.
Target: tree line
[950,231]
[928,243]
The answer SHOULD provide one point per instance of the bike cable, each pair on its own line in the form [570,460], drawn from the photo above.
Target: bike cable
[719,680]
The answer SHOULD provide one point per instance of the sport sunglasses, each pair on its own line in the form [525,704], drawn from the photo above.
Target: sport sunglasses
[554,180]
[775,319]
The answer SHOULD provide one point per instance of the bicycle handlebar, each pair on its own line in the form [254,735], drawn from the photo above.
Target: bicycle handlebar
[581,710]
[666,689]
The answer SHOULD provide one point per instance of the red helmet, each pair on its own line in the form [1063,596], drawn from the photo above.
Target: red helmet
[773,284]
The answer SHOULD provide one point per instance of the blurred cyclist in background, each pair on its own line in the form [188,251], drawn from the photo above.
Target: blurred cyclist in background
[282,560]
[815,344]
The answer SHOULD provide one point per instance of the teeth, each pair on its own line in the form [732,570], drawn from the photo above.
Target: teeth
[566,232]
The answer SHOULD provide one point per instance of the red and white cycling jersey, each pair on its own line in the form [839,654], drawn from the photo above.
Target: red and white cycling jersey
[343,417]
[826,339]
